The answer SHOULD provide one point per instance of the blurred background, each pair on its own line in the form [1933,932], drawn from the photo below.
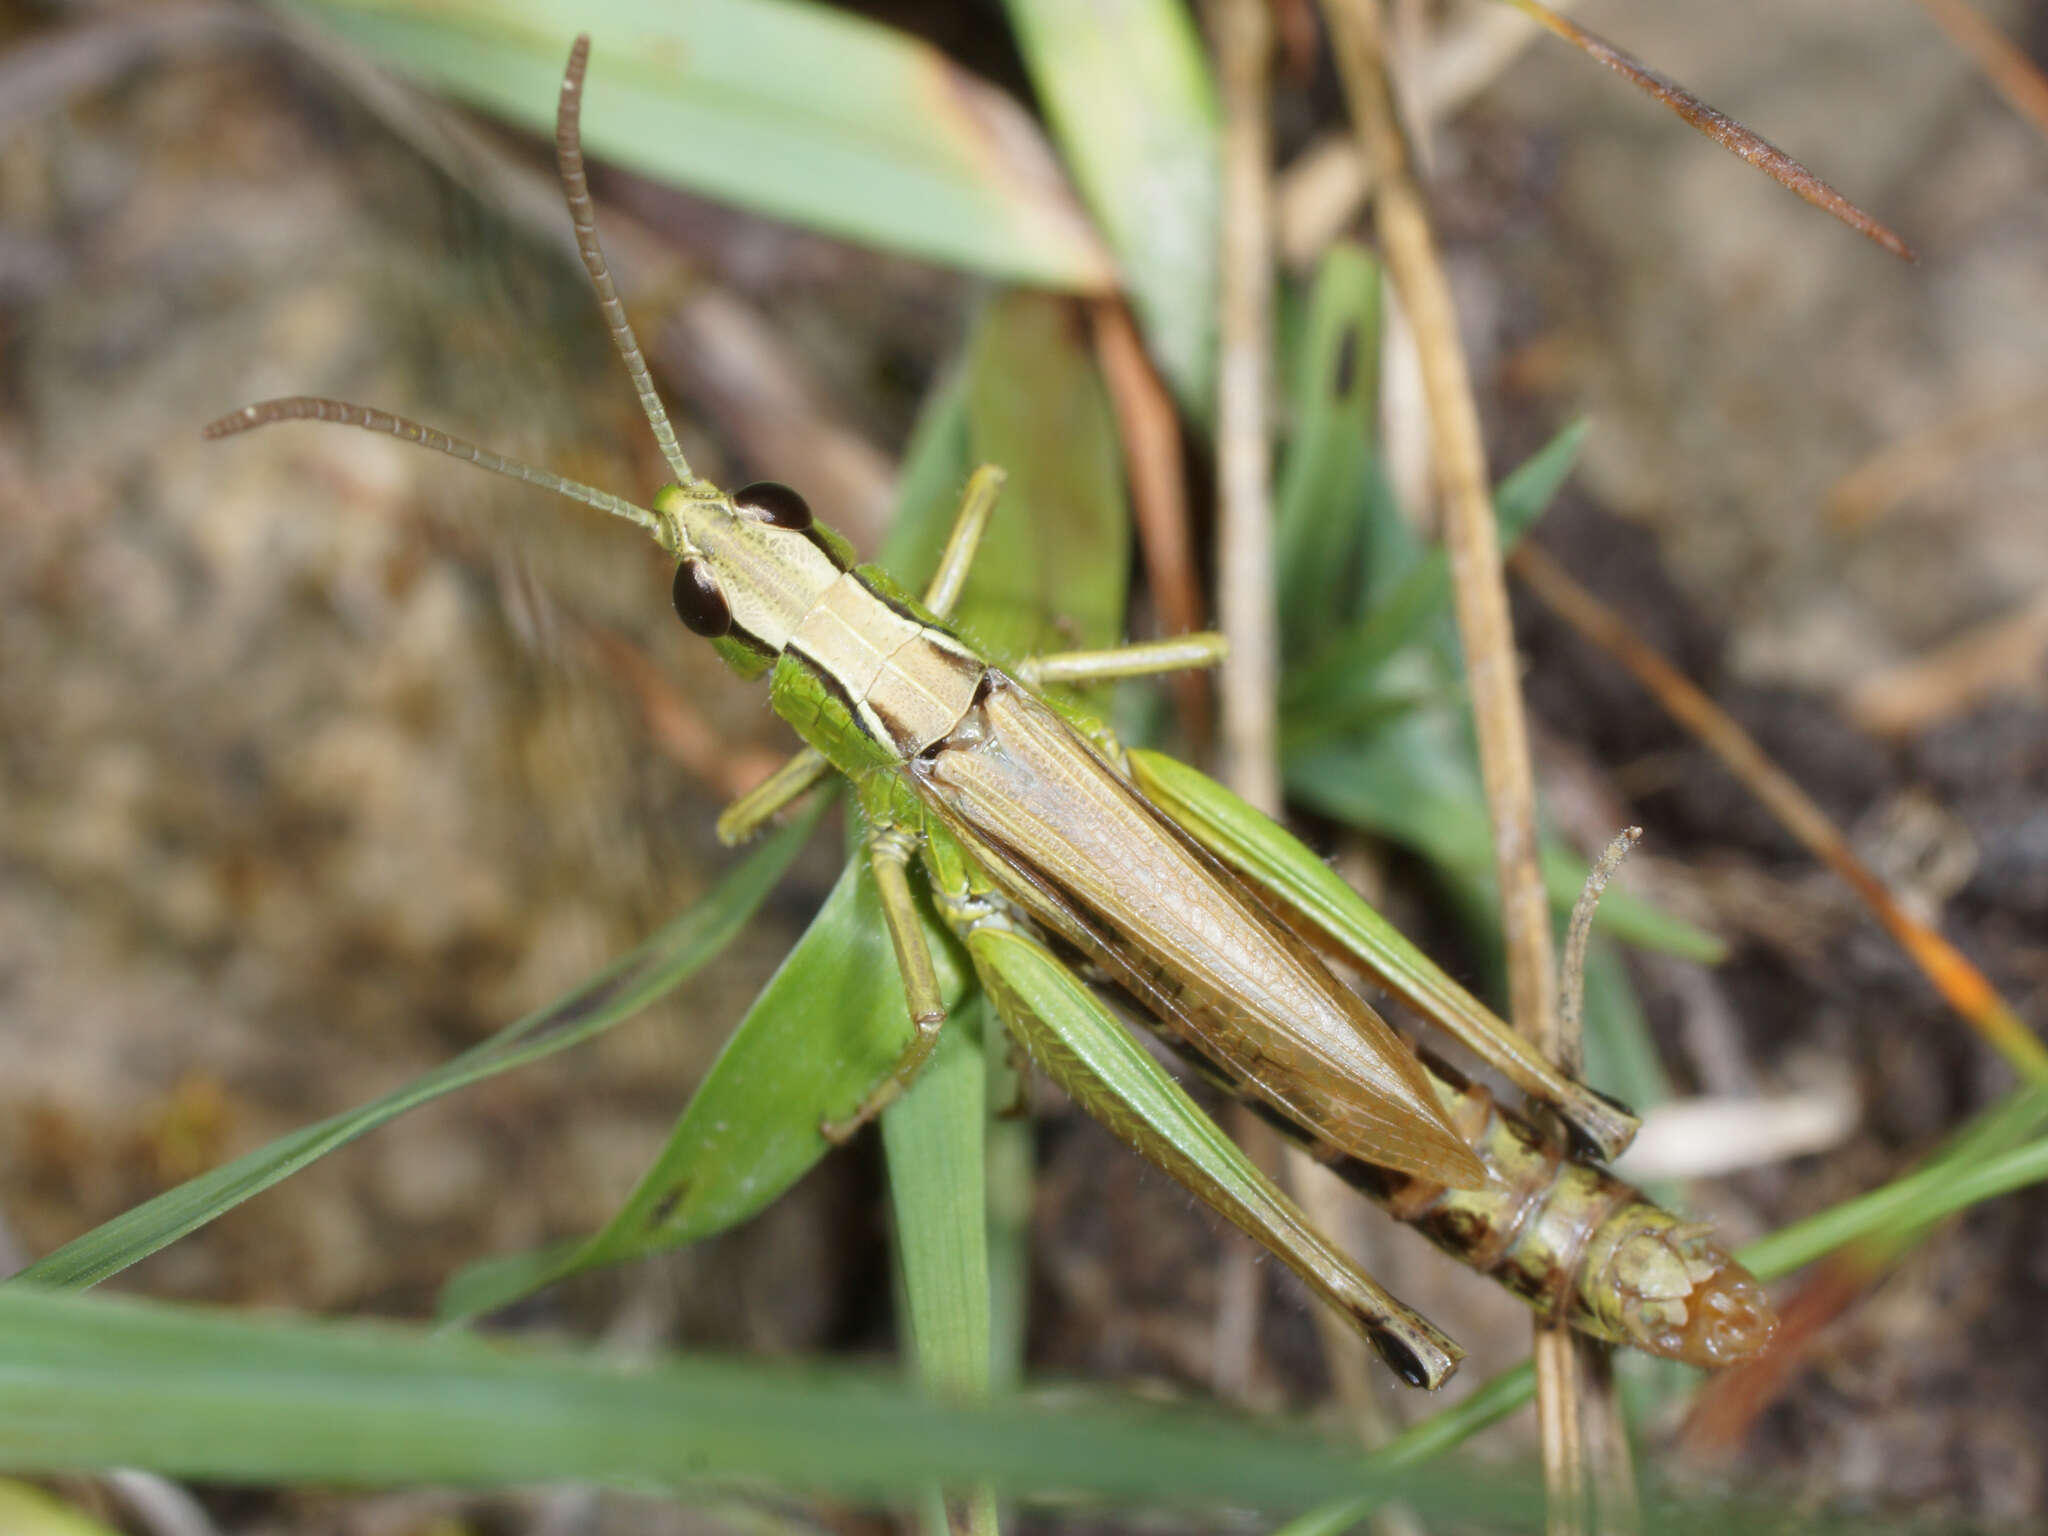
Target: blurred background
[320,758]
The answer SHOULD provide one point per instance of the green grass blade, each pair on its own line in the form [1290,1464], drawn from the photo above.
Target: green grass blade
[931,1135]
[1910,1203]
[1415,782]
[1126,88]
[800,111]
[613,995]
[1054,568]
[936,464]
[1317,547]
[1054,565]
[824,1031]
[98,1382]
[1419,597]
[934,1138]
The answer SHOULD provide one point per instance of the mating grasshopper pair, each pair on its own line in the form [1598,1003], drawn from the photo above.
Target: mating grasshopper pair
[1038,833]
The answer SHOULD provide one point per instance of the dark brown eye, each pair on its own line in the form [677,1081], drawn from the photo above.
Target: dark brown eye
[774,504]
[699,603]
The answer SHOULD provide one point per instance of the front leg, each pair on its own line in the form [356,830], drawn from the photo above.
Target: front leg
[890,849]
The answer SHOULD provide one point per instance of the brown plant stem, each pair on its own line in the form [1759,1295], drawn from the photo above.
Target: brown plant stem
[2004,63]
[1965,988]
[1249,677]
[1487,636]
[1248,680]
[1150,429]
[1716,125]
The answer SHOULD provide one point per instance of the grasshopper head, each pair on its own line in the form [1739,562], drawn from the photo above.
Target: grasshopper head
[749,563]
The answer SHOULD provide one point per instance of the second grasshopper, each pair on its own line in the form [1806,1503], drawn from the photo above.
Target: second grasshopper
[1040,838]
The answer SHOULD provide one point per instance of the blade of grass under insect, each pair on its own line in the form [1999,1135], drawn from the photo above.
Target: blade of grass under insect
[827,1027]
[1126,89]
[1010,1156]
[934,1140]
[613,995]
[800,111]
[1052,571]
[93,1382]
[1317,549]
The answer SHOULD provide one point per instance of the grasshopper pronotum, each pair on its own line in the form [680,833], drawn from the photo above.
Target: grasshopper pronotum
[1035,829]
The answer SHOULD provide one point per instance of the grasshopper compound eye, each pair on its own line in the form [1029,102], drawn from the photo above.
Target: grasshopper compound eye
[775,504]
[699,604]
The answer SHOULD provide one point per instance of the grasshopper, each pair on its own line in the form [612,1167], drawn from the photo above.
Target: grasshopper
[1041,839]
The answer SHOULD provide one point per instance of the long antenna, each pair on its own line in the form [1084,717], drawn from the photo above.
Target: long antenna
[576,189]
[314,408]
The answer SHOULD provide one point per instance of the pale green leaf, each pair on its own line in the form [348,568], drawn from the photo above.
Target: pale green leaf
[804,112]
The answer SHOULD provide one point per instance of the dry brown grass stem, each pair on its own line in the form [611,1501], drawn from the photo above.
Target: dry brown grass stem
[1717,125]
[1932,455]
[1487,635]
[1965,988]
[2004,62]
[2001,655]
[1248,680]
[1249,676]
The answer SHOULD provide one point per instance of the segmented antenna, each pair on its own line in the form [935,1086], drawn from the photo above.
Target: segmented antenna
[576,189]
[313,408]
[1572,976]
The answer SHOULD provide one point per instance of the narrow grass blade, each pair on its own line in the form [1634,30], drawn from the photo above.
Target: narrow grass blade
[1417,595]
[828,1027]
[1909,1204]
[1318,548]
[936,464]
[1416,783]
[1054,568]
[800,111]
[1126,88]
[935,1132]
[97,1382]
[613,995]
[935,1138]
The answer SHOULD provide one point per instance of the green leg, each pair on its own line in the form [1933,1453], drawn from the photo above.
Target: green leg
[1204,648]
[976,503]
[761,804]
[889,852]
